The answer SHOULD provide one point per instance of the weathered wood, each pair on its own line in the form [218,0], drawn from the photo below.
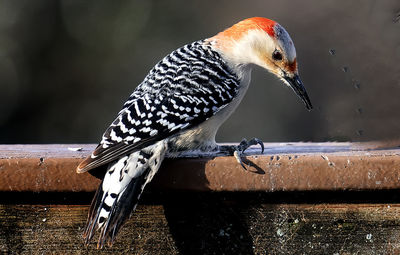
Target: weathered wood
[36,229]
[288,167]
[44,203]
[210,226]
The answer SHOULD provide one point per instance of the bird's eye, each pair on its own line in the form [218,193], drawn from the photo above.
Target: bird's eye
[277,55]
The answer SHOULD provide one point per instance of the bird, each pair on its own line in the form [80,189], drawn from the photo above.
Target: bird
[179,107]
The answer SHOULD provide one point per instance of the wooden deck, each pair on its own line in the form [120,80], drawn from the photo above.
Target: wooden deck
[299,198]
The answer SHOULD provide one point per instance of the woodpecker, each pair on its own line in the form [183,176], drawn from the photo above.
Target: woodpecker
[179,107]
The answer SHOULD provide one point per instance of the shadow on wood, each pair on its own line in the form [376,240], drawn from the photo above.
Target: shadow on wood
[201,225]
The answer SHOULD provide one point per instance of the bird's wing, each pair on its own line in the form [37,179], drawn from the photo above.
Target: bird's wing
[184,89]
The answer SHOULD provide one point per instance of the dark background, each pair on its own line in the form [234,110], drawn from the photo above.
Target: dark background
[66,67]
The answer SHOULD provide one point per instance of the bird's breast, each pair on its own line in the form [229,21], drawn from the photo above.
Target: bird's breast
[202,136]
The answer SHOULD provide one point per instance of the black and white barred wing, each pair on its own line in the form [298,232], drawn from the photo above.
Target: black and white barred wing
[184,89]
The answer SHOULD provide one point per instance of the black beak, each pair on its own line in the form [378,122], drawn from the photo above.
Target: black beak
[296,84]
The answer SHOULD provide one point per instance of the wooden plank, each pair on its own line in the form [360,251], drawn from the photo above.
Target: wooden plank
[282,167]
[210,226]
[37,229]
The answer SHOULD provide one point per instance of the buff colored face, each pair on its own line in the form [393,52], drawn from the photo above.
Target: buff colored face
[278,55]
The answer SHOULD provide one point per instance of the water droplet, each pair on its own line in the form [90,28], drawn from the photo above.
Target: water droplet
[359,132]
[332,52]
[357,85]
[345,69]
[359,110]
[396,17]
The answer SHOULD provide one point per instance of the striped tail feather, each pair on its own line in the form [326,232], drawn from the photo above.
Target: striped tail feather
[119,193]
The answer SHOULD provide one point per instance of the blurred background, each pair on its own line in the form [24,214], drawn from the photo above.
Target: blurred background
[66,67]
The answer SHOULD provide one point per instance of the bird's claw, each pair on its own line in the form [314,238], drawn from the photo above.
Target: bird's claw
[244,145]
[237,155]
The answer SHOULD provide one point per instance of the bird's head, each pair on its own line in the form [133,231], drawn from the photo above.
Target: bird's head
[265,43]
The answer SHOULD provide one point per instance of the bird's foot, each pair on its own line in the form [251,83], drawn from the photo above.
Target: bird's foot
[238,150]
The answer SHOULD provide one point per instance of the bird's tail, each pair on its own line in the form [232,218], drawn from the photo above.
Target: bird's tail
[120,190]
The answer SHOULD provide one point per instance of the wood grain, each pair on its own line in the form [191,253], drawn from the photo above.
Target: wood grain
[218,226]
